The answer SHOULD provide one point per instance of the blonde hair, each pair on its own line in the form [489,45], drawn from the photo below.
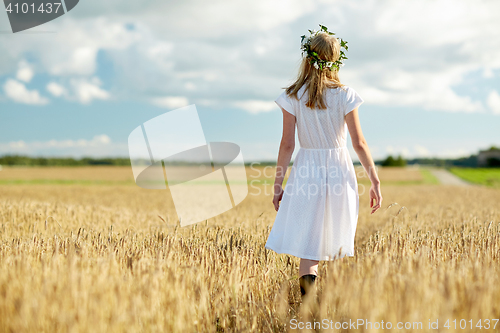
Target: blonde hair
[316,80]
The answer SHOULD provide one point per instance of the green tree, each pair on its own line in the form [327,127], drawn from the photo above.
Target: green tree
[391,161]
[400,161]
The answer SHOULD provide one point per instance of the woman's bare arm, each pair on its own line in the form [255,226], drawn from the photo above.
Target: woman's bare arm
[287,146]
[361,148]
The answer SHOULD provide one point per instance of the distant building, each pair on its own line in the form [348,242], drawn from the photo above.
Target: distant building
[489,158]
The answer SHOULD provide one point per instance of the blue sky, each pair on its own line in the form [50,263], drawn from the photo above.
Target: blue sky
[429,72]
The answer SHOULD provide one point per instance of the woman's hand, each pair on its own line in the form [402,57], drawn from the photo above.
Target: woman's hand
[375,195]
[278,194]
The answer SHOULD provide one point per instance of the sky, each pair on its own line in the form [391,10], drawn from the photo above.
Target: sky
[428,71]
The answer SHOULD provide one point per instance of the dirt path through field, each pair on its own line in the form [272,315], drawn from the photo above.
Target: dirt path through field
[447,178]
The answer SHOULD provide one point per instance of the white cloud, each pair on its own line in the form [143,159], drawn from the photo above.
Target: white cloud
[403,151]
[99,145]
[103,138]
[414,53]
[190,86]
[25,72]
[161,54]
[166,54]
[488,73]
[17,144]
[423,88]
[256,106]
[421,151]
[82,41]
[56,89]
[82,60]
[494,102]
[60,144]
[82,90]
[409,54]
[86,91]
[216,16]
[171,102]
[97,140]
[455,153]
[18,92]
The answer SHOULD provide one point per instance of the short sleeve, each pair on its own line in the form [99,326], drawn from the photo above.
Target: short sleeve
[285,102]
[353,100]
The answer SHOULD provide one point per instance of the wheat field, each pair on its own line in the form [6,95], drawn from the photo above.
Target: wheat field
[107,256]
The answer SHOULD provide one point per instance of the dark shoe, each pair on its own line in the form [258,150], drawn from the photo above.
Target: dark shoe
[306,283]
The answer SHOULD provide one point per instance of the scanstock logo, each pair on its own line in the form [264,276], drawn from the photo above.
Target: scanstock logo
[26,14]
[205,179]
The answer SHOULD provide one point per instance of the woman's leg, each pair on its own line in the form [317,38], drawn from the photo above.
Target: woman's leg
[308,270]
[308,267]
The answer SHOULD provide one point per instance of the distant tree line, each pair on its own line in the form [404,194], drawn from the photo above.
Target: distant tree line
[20,160]
[391,161]
[469,162]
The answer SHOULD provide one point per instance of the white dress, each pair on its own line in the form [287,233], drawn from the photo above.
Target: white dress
[318,212]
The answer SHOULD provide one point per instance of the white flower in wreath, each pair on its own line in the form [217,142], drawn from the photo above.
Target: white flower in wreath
[341,64]
[316,65]
[329,64]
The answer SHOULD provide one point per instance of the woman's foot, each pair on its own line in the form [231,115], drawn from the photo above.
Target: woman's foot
[306,283]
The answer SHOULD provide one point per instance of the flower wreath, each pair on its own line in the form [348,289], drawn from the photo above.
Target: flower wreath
[315,60]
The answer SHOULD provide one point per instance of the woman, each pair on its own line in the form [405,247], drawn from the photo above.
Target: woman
[318,213]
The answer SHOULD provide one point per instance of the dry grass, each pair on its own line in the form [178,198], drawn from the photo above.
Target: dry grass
[393,174]
[111,259]
[108,173]
[124,174]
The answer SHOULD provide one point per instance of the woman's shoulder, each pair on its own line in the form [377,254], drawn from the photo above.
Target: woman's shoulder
[346,90]
[342,90]
[349,89]
[301,92]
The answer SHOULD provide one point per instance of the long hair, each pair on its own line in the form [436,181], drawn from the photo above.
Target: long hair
[316,80]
